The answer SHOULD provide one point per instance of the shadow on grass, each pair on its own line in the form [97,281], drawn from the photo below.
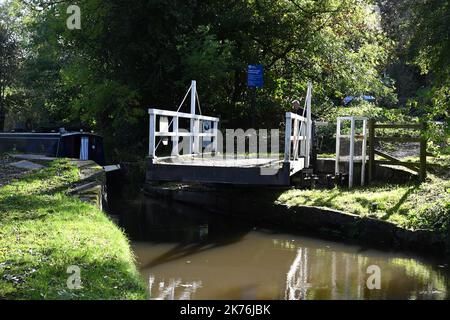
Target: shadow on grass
[32,207]
[397,206]
[328,202]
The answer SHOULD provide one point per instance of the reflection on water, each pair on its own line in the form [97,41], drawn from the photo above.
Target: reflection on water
[297,278]
[185,253]
[175,289]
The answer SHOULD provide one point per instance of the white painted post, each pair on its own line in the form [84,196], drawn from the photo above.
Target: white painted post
[287,139]
[364,153]
[164,128]
[308,126]
[176,138]
[215,132]
[338,145]
[196,134]
[352,154]
[192,121]
[152,137]
[297,141]
[303,145]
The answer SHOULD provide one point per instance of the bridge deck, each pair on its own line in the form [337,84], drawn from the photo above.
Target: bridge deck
[220,161]
[220,170]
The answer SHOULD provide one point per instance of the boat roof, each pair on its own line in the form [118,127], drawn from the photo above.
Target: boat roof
[47,134]
[79,133]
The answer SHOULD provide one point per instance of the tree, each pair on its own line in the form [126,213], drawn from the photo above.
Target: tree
[132,55]
[430,50]
[9,55]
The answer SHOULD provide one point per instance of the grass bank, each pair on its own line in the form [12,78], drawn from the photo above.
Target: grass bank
[414,206]
[43,231]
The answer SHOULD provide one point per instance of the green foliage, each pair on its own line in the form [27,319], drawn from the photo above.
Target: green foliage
[132,55]
[370,110]
[429,48]
[9,61]
[43,232]
[420,65]
[430,43]
[430,207]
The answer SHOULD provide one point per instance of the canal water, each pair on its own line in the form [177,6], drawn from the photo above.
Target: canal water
[188,253]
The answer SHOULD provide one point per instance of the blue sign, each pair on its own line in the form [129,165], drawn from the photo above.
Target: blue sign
[255,76]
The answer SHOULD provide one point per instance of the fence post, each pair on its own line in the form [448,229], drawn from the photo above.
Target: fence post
[338,146]
[192,120]
[314,147]
[215,131]
[287,138]
[196,132]
[297,132]
[364,154]
[423,152]
[371,150]
[352,154]
[176,138]
[308,134]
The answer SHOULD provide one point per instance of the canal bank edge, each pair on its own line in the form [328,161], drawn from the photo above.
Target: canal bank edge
[54,213]
[326,222]
[92,185]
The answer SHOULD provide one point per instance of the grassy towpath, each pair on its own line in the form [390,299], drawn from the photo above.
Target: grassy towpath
[43,232]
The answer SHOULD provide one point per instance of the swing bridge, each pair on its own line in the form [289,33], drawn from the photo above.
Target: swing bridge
[197,155]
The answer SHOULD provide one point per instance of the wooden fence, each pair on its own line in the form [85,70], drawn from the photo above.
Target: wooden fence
[419,167]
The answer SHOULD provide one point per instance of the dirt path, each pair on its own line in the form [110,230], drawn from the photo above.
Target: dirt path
[403,150]
[8,172]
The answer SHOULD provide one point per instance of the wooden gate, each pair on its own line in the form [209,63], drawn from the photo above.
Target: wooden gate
[419,167]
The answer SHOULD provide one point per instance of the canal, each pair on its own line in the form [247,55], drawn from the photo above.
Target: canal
[188,253]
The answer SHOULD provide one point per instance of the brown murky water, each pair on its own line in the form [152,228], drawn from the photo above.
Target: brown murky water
[185,253]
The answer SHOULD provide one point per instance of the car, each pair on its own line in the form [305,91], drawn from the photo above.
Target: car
[349,99]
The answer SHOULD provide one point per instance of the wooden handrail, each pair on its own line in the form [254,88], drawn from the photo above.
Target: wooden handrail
[168,113]
[398,126]
[194,133]
[398,139]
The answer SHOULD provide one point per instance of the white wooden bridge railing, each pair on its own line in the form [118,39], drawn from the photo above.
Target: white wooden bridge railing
[194,133]
[298,130]
[298,133]
[297,138]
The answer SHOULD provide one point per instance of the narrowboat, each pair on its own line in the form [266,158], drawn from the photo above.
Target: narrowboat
[64,144]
